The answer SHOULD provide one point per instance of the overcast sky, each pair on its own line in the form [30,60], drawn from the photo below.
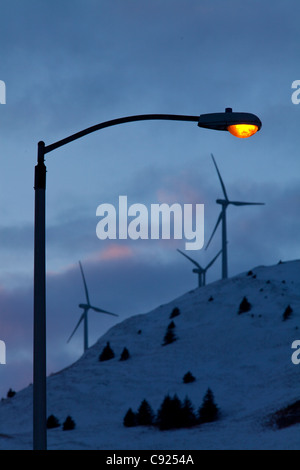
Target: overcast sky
[68,65]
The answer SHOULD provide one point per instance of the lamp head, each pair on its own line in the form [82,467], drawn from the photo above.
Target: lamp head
[238,124]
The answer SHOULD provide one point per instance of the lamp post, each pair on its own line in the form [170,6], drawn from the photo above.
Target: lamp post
[239,124]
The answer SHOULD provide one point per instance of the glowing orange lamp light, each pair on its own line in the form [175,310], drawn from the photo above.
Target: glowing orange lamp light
[242,130]
[238,124]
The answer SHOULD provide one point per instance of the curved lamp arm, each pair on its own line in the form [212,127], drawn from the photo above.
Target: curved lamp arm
[114,122]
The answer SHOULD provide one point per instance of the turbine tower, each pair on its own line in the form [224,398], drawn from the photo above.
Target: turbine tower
[84,317]
[199,270]
[222,217]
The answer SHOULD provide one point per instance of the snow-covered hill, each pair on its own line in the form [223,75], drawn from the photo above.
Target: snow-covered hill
[245,359]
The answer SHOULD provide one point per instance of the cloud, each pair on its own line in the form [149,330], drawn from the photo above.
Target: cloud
[115,252]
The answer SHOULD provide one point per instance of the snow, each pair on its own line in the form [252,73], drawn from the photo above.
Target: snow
[245,359]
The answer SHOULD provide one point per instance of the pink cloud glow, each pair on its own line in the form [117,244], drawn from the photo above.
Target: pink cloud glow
[116,252]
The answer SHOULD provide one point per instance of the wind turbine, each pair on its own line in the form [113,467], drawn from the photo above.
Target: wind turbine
[84,317]
[199,270]
[222,217]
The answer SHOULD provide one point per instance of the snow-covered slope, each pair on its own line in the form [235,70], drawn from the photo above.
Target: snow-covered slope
[245,359]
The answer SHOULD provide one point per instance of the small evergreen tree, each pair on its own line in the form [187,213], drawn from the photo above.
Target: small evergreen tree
[145,415]
[208,411]
[245,306]
[69,424]
[176,412]
[188,417]
[188,378]
[171,325]
[287,313]
[169,337]
[11,393]
[52,422]
[175,312]
[125,355]
[169,415]
[164,413]
[130,419]
[107,353]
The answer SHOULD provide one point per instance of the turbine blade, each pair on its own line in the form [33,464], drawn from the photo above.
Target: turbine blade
[85,286]
[193,261]
[220,178]
[214,231]
[80,320]
[212,262]
[100,310]
[238,203]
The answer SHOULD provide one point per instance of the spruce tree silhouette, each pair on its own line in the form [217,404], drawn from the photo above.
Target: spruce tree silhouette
[145,414]
[245,306]
[171,325]
[130,419]
[188,378]
[125,355]
[287,313]
[208,411]
[69,424]
[169,337]
[52,422]
[169,414]
[107,353]
[188,417]
[11,393]
[175,312]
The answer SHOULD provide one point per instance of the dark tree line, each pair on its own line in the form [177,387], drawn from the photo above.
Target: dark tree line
[173,413]
[53,422]
[107,354]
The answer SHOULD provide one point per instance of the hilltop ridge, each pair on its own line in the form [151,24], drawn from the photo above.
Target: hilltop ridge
[245,358]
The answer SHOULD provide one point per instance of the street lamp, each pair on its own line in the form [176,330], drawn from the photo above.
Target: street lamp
[218,121]
[238,124]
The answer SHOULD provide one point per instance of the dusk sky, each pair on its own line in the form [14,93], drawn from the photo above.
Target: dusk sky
[68,65]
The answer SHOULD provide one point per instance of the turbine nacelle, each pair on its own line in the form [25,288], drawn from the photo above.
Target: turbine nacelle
[84,306]
[199,270]
[223,202]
